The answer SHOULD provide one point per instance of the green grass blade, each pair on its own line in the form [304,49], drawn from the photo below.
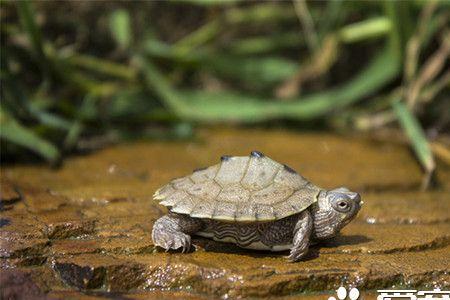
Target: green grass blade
[101,66]
[73,135]
[50,119]
[394,34]
[254,71]
[18,104]
[415,134]
[26,15]
[266,43]
[208,3]
[119,25]
[27,19]
[263,12]
[154,79]
[12,131]
[197,38]
[366,29]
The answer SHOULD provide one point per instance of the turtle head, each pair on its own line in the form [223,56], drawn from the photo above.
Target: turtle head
[334,209]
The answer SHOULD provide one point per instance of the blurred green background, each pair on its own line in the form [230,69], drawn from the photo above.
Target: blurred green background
[78,75]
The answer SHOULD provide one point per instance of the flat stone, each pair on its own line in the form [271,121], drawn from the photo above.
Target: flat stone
[80,277]
[83,230]
[21,224]
[17,284]
[100,295]
[70,247]
[249,275]
[406,208]
[91,271]
[116,245]
[8,193]
[20,248]
[68,229]
[385,238]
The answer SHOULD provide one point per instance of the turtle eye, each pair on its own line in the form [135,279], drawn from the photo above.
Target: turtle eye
[342,206]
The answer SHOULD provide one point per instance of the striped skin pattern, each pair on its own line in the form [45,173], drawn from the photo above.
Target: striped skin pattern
[323,225]
[240,188]
[262,236]
[327,220]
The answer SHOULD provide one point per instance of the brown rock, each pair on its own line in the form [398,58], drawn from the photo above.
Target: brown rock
[83,231]
[8,193]
[16,284]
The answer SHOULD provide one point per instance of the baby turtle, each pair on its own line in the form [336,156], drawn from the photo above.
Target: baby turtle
[253,202]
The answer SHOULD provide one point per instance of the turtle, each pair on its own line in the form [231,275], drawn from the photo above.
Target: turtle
[254,202]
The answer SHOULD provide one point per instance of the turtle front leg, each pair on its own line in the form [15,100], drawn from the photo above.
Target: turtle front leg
[173,231]
[302,233]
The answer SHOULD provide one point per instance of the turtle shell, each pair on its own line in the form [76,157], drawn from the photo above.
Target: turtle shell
[240,188]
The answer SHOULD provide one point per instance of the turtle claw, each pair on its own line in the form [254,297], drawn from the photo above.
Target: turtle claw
[167,245]
[296,255]
[185,243]
[168,233]
[172,241]
[293,257]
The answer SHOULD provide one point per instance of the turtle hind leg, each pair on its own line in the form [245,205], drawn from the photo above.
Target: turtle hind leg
[301,240]
[173,231]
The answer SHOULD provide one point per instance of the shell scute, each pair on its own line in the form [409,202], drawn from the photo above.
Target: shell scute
[204,209]
[232,170]
[272,194]
[260,172]
[186,205]
[265,213]
[246,211]
[225,211]
[297,202]
[288,178]
[177,196]
[235,193]
[163,192]
[204,174]
[182,183]
[204,190]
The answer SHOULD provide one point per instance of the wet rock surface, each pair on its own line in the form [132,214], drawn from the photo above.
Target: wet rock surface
[83,231]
